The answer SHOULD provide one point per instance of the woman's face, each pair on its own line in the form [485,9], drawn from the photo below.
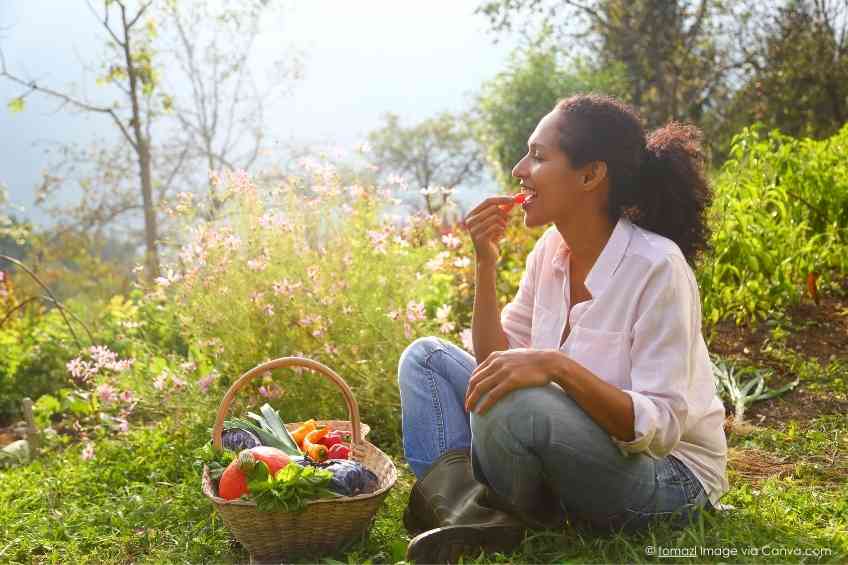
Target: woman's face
[557,192]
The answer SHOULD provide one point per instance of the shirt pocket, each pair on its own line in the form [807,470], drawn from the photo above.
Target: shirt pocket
[605,353]
[544,333]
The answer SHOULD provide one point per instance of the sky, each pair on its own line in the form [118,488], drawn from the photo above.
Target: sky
[360,60]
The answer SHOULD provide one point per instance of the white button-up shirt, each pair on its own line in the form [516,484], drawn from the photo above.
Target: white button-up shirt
[641,331]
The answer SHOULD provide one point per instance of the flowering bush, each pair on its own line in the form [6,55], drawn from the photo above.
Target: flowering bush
[315,267]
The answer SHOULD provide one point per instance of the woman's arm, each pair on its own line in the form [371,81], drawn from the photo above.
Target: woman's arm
[487,334]
[486,224]
[606,404]
[510,370]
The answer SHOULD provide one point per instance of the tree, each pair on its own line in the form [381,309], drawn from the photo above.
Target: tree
[670,50]
[511,104]
[798,79]
[131,70]
[187,104]
[438,155]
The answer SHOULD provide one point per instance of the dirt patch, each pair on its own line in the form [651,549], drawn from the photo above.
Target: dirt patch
[799,405]
[817,331]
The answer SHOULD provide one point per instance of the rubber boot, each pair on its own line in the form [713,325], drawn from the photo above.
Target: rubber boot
[453,515]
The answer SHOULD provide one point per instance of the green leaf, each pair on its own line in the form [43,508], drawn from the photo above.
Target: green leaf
[16,104]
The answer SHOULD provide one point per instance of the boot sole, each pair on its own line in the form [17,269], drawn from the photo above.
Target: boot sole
[448,544]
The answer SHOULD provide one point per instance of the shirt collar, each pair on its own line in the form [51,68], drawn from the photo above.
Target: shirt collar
[608,261]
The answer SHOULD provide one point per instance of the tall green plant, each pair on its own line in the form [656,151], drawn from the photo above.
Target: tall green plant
[780,213]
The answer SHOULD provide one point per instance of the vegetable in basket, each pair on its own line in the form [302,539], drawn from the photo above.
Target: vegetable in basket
[236,439]
[290,488]
[349,477]
[269,429]
[234,481]
[315,450]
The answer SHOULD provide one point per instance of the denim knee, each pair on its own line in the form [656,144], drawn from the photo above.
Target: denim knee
[416,354]
[512,411]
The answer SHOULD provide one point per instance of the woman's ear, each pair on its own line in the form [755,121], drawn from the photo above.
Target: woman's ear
[594,173]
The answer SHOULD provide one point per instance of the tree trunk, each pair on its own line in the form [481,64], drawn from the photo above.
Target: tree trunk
[142,149]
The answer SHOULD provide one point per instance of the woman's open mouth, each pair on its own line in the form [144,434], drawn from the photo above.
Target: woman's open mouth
[529,196]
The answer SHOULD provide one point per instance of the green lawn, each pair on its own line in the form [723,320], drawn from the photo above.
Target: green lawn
[139,499]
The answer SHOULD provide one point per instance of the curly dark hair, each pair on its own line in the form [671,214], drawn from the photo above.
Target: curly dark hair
[657,182]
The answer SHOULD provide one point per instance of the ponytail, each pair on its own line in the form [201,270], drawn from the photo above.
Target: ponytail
[671,195]
[658,183]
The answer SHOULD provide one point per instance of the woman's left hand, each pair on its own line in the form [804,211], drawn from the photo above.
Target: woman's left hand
[505,371]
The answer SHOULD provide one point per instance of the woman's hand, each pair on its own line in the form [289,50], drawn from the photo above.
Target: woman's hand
[505,371]
[486,223]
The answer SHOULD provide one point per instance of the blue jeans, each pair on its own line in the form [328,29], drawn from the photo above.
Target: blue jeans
[536,446]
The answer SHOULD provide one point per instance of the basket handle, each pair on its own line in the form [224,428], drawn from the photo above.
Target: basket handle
[350,401]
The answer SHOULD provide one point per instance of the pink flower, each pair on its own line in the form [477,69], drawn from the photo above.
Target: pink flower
[106,393]
[447,327]
[204,383]
[161,381]
[88,452]
[81,371]
[285,287]
[451,241]
[123,425]
[271,391]
[269,310]
[407,330]
[467,342]
[394,314]
[415,311]
[258,265]
[126,397]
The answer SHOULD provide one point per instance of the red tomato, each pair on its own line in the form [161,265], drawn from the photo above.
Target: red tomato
[233,482]
[339,451]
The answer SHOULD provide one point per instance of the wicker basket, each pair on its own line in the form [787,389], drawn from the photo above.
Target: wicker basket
[325,525]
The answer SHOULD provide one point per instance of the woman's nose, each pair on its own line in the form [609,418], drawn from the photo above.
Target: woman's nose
[518,170]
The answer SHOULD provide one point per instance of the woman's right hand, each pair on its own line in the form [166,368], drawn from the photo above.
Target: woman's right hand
[486,223]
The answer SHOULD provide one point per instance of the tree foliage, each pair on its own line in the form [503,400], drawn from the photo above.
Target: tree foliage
[431,158]
[511,104]
[798,79]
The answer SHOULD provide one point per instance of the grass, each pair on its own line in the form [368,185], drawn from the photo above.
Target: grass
[139,501]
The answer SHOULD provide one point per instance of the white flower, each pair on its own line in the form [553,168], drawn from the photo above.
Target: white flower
[467,342]
[451,241]
[442,312]
[462,262]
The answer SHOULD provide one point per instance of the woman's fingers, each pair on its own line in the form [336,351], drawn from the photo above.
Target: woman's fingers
[497,392]
[491,201]
[485,218]
[479,388]
[482,226]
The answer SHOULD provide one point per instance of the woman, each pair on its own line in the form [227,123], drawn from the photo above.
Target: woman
[591,396]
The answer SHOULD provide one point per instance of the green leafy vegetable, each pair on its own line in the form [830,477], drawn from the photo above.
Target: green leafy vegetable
[216,459]
[291,488]
[269,428]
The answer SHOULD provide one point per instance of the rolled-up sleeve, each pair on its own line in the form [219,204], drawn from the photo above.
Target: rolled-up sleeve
[661,352]
[517,316]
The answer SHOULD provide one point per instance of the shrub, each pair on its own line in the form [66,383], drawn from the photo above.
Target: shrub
[780,213]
